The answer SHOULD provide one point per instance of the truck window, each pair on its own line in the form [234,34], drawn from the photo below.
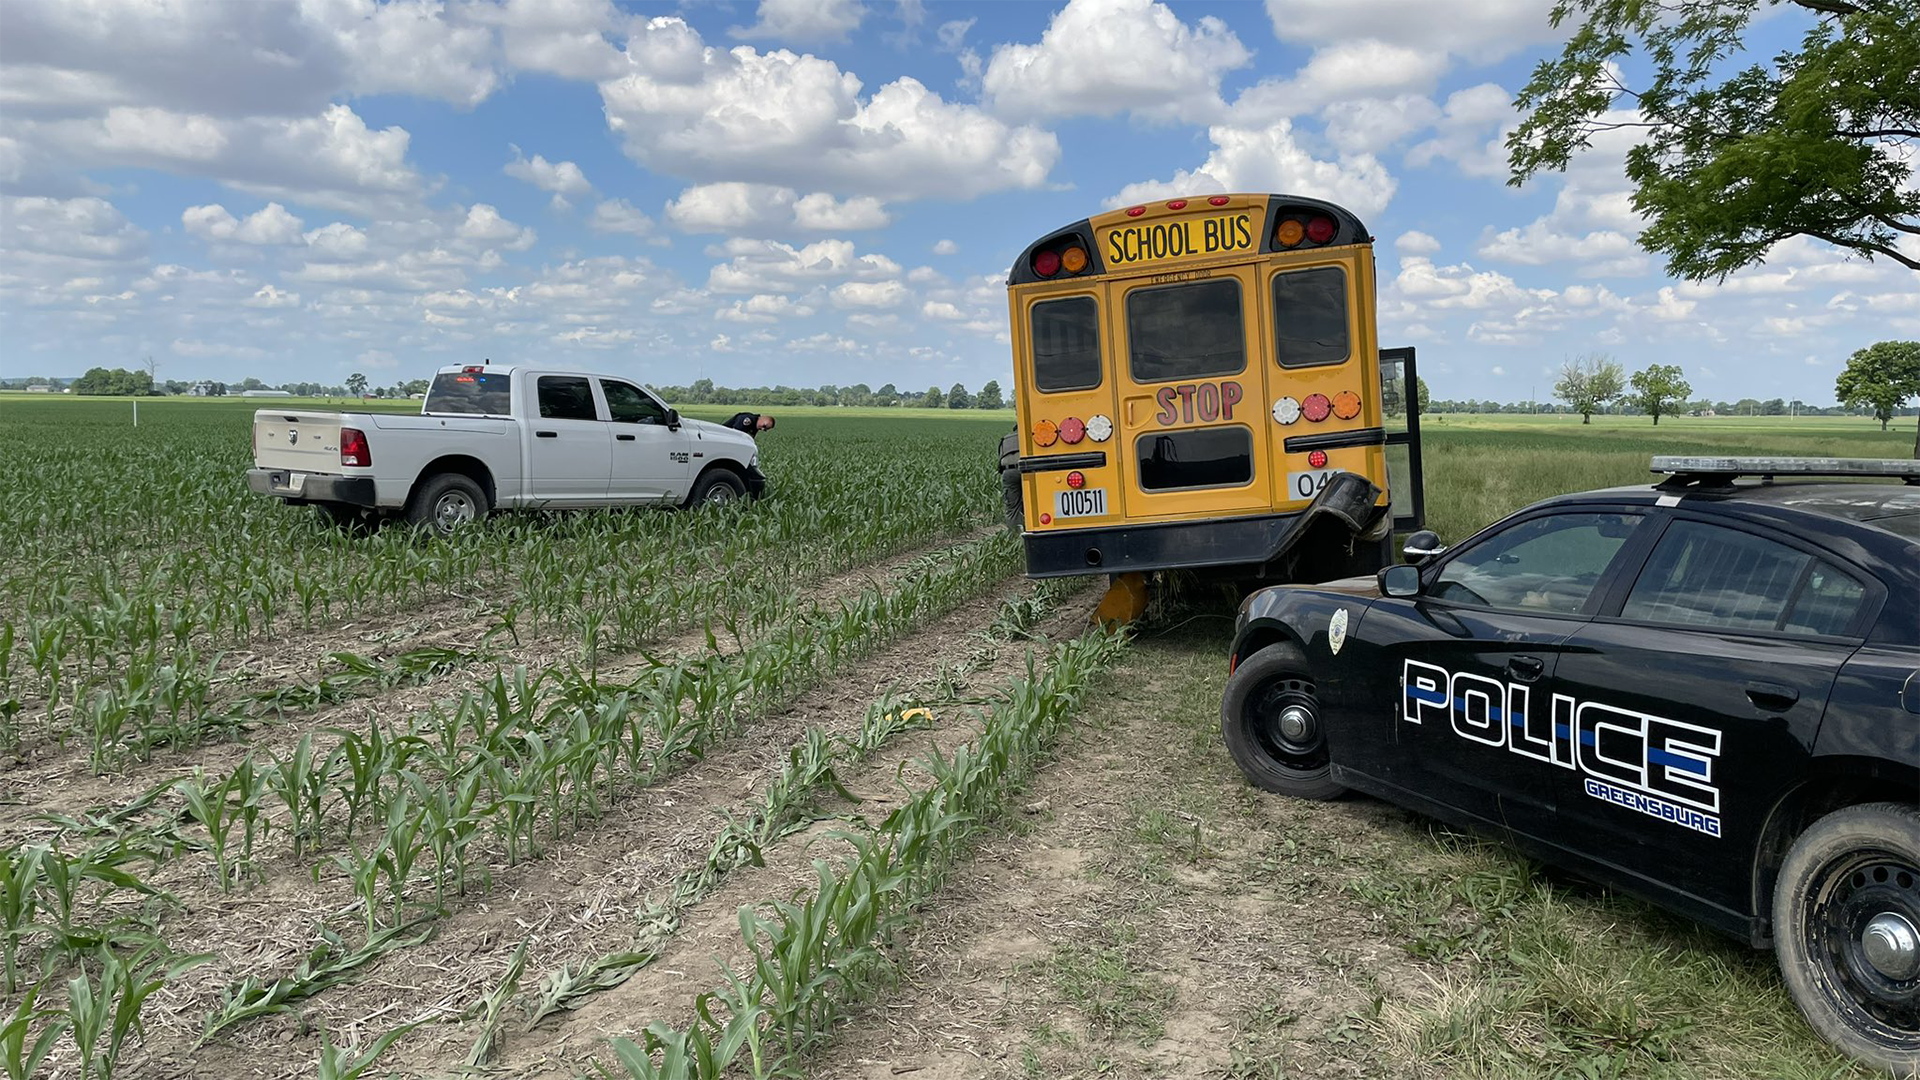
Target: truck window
[627,405]
[1186,331]
[474,393]
[566,397]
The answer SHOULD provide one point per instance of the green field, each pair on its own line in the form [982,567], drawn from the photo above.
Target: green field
[276,790]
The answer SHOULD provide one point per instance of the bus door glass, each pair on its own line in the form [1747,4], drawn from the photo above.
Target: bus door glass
[1191,437]
[1071,473]
[1323,407]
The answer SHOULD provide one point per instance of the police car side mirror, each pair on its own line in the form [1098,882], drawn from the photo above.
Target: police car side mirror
[1422,546]
[1401,580]
[673,419]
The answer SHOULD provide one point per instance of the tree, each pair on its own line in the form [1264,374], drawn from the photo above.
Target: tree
[1659,390]
[886,395]
[1588,382]
[117,382]
[1880,377]
[357,384]
[958,398]
[1734,161]
[1422,391]
[934,398]
[990,396]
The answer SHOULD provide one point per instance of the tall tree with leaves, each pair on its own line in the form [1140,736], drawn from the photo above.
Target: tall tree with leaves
[1659,390]
[990,396]
[1814,144]
[1882,377]
[357,384]
[1588,382]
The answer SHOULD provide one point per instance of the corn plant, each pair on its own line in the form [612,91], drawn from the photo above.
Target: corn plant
[327,964]
[21,1050]
[110,1007]
[351,1063]
[492,1005]
[211,803]
[300,781]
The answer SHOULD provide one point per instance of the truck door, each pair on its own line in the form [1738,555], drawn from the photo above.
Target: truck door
[649,459]
[569,449]
[1191,441]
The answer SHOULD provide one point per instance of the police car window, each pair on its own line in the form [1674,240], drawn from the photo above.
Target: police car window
[565,398]
[1066,344]
[627,405]
[1547,564]
[1186,331]
[1704,575]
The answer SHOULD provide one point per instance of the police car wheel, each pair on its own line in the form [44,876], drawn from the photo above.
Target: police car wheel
[446,503]
[1271,718]
[718,488]
[1846,928]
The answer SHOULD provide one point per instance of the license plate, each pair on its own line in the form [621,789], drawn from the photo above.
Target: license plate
[1088,502]
[1305,485]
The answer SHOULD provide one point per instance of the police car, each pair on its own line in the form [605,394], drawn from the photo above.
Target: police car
[1705,692]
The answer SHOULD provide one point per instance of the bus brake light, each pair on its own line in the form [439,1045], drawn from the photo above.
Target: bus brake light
[1072,430]
[1076,480]
[1320,229]
[1316,407]
[1317,459]
[1046,263]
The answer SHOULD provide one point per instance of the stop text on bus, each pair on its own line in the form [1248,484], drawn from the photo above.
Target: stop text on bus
[1205,402]
[1218,234]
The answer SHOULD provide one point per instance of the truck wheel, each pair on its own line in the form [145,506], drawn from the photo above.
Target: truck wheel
[446,502]
[717,487]
[1273,726]
[1013,494]
[1846,930]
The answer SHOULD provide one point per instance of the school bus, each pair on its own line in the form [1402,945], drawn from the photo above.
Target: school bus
[1199,387]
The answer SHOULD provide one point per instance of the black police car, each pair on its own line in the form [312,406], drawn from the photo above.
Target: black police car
[1705,691]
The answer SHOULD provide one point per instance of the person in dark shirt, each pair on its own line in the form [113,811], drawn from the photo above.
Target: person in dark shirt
[751,423]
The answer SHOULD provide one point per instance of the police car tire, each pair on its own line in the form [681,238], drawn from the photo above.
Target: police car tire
[1805,883]
[426,498]
[1249,750]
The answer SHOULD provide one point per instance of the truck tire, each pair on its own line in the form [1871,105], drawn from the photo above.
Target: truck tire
[716,487]
[1273,725]
[446,502]
[1012,491]
[1846,931]
[346,518]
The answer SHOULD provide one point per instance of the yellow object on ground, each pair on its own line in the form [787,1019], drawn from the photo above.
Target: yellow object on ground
[1126,599]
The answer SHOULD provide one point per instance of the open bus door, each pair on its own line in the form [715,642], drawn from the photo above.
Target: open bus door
[1400,409]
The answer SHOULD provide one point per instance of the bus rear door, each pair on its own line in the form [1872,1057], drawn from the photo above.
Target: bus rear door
[1191,442]
[1068,438]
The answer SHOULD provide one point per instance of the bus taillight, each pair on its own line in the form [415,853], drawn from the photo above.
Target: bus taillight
[1046,263]
[1320,229]
[1316,407]
[1074,259]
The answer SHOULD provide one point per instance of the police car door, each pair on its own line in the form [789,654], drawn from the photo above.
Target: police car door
[1472,661]
[1697,699]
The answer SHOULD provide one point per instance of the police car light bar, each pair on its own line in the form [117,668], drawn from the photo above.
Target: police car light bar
[1730,467]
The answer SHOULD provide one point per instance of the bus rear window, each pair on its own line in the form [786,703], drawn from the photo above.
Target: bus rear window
[1185,331]
[1066,344]
[1195,458]
[1310,317]
[478,393]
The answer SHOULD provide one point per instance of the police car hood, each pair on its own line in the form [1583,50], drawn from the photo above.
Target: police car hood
[1368,586]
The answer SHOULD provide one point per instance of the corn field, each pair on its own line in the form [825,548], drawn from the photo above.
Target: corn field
[283,800]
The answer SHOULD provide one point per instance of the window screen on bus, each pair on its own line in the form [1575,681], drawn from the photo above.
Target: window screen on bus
[1186,331]
[1066,344]
[1310,317]
[1195,458]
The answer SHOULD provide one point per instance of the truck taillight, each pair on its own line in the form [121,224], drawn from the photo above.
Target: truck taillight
[353,448]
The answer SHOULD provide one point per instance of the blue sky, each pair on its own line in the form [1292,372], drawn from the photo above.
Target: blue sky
[808,192]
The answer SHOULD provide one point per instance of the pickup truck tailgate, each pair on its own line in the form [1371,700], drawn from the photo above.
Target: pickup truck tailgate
[296,441]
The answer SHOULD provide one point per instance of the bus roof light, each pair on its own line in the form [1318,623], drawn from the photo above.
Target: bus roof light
[1218,200]
[1320,229]
[1289,233]
[1074,259]
[1136,211]
[1176,204]
[1046,263]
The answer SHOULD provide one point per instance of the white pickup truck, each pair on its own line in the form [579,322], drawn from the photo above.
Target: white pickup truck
[498,437]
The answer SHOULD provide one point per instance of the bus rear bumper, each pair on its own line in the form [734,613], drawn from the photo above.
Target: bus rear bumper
[1344,528]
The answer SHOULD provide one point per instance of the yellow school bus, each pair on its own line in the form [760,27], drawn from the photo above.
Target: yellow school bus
[1199,387]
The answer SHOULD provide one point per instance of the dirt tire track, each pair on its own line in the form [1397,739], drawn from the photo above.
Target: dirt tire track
[1222,975]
